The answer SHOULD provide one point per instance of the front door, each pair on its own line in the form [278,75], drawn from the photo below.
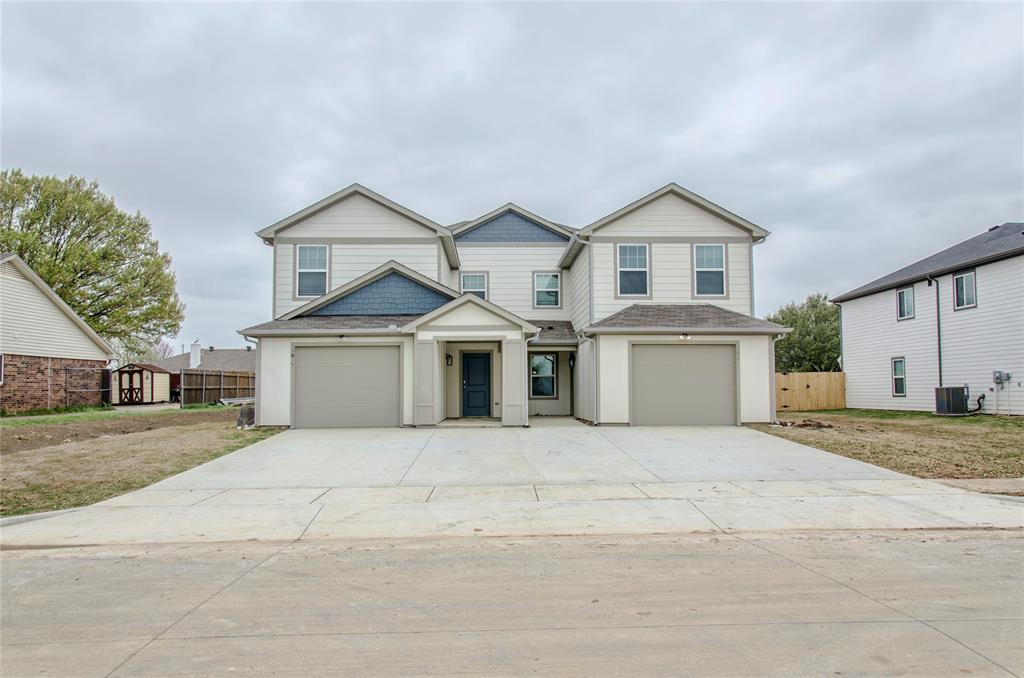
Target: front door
[476,384]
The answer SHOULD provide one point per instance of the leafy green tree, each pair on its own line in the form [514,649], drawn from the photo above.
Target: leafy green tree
[101,260]
[813,345]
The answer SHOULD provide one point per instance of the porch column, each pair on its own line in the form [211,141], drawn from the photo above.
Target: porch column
[425,383]
[513,382]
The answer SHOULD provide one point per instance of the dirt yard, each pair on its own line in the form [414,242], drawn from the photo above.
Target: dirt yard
[20,434]
[108,458]
[916,443]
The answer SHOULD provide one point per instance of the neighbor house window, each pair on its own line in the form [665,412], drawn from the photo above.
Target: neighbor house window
[964,291]
[475,283]
[547,289]
[905,303]
[899,377]
[542,375]
[634,271]
[709,270]
[312,270]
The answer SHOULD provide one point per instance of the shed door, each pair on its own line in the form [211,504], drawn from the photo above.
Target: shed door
[346,386]
[683,385]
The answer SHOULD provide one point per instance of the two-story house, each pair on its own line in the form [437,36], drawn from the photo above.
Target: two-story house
[383,317]
[955,318]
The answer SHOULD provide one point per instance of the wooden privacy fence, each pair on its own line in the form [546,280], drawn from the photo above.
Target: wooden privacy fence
[209,386]
[798,391]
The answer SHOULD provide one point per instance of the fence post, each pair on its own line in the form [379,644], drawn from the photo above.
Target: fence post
[203,401]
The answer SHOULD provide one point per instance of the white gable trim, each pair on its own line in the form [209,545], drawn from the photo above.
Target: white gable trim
[32,277]
[471,299]
[268,233]
[675,189]
[516,209]
[365,279]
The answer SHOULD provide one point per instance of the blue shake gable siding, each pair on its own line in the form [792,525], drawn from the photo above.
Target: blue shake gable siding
[510,227]
[394,294]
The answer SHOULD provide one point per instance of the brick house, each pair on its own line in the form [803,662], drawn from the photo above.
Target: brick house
[49,357]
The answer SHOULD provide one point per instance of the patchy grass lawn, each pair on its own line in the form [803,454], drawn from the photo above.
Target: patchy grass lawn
[917,443]
[29,434]
[86,471]
[101,414]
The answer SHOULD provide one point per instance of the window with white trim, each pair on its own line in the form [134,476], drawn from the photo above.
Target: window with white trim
[709,270]
[311,276]
[475,283]
[905,303]
[899,378]
[547,289]
[542,375]
[634,271]
[964,293]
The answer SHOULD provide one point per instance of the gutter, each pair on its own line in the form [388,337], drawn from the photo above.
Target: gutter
[318,332]
[686,330]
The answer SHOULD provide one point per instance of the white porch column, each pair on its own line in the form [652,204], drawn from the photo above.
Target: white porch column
[425,383]
[513,383]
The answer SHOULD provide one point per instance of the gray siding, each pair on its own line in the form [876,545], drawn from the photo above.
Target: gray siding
[510,227]
[394,294]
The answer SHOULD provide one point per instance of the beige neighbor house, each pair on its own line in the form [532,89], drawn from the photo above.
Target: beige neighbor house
[953,319]
[49,356]
[383,317]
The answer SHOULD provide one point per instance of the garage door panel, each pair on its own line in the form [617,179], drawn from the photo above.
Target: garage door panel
[347,386]
[683,385]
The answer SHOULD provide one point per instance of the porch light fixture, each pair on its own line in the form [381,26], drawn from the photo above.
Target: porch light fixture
[448,359]
[684,337]
[572,360]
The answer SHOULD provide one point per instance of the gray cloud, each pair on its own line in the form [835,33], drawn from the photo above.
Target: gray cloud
[863,135]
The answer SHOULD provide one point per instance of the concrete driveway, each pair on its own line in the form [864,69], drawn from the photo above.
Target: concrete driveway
[557,477]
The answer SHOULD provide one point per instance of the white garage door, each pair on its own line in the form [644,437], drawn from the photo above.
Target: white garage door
[346,386]
[683,385]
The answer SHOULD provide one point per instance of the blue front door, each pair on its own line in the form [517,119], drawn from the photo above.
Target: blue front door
[476,384]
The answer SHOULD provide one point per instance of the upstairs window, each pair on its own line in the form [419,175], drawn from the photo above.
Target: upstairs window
[475,283]
[709,270]
[905,303]
[963,291]
[542,375]
[312,270]
[547,289]
[634,271]
[899,378]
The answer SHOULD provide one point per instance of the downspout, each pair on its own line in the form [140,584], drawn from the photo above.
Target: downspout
[526,384]
[593,371]
[771,367]
[938,325]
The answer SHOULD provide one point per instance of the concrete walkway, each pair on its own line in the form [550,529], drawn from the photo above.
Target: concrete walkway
[559,478]
[823,604]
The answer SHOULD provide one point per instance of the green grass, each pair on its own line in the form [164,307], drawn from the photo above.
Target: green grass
[972,420]
[96,414]
[54,410]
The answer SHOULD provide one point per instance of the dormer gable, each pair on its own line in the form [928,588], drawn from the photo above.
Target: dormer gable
[510,224]
[389,289]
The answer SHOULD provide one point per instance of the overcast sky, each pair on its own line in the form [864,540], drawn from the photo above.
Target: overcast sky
[864,136]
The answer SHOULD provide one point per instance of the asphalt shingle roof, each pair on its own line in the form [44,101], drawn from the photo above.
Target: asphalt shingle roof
[998,242]
[226,359]
[684,317]
[554,332]
[332,322]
